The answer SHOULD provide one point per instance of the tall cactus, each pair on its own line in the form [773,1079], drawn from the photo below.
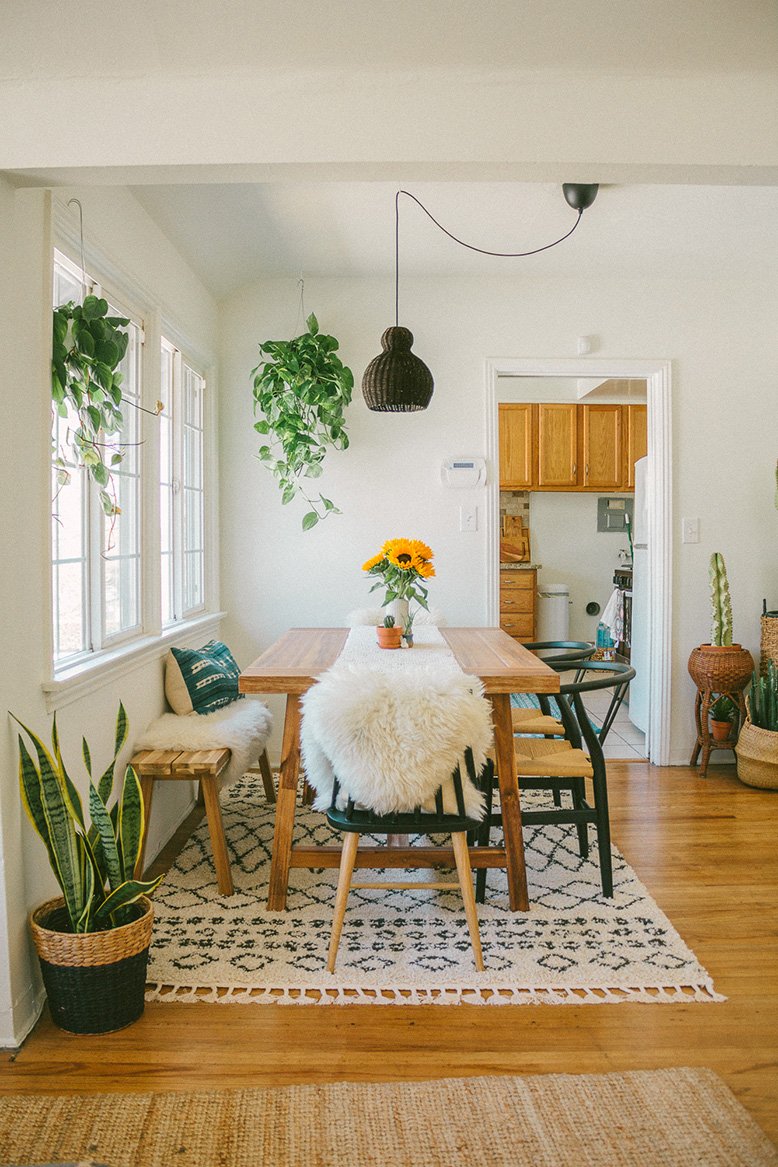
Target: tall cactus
[763,699]
[721,630]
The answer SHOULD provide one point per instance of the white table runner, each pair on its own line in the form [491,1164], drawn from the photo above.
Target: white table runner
[430,653]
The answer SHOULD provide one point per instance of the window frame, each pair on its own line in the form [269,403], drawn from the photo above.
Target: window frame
[121,652]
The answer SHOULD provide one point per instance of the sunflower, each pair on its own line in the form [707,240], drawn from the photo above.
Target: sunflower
[373,561]
[425,569]
[421,549]
[399,552]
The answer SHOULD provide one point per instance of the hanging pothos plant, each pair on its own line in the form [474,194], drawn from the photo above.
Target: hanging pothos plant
[88,348]
[302,389]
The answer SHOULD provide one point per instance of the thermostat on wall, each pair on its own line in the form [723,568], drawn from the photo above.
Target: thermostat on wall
[463,471]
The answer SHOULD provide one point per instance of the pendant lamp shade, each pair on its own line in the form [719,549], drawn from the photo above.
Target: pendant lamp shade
[397,381]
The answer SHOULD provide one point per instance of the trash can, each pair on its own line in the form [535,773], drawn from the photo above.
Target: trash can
[554,611]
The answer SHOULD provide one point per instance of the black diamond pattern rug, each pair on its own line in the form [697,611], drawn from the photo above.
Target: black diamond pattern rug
[574,946]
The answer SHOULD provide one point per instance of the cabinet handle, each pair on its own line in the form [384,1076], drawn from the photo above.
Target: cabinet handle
[575,469]
[586,470]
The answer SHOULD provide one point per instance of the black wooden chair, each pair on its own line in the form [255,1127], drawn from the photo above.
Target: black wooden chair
[561,764]
[354,820]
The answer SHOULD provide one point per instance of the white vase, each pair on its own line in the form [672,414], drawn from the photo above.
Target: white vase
[400,610]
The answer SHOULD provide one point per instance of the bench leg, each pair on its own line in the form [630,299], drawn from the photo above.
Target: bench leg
[267,777]
[147,793]
[213,810]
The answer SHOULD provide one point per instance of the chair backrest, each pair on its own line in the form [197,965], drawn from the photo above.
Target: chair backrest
[593,676]
[561,654]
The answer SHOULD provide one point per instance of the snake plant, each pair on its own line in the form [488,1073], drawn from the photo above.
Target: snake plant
[763,699]
[721,630]
[93,863]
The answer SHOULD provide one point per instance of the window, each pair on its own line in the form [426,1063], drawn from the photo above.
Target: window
[95,559]
[182,488]
[109,589]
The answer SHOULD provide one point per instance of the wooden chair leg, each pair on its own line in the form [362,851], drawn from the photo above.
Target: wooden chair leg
[213,810]
[267,777]
[462,857]
[147,793]
[347,858]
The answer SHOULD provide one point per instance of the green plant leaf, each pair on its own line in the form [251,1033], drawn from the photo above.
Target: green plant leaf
[130,823]
[310,520]
[102,820]
[127,893]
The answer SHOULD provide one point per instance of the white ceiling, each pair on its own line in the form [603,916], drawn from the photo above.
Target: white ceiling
[232,235]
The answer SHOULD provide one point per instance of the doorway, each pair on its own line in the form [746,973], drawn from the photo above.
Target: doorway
[656,375]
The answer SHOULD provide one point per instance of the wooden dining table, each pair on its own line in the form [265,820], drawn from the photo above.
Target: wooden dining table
[504,666]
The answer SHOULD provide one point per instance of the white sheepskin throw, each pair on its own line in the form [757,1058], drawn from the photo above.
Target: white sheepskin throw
[242,727]
[375,616]
[393,740]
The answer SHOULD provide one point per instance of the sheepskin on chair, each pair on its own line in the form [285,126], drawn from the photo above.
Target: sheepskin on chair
[242,727]
[394,739]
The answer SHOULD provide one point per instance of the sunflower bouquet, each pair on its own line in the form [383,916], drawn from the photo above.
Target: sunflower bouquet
[401,567]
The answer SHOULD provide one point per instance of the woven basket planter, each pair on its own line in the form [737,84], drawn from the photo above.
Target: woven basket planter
[769,645]
[721,669]
[757,756]
[95,981]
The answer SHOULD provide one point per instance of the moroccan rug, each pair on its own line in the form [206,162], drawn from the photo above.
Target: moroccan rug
[645,1118]
[409,947]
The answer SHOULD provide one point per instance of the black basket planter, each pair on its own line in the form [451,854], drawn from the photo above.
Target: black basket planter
[95,981]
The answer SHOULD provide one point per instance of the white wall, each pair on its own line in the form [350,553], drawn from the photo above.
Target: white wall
[114,223]
[724,345]
[565,540]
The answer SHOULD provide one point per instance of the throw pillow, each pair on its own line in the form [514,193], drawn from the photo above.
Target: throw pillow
[201,680]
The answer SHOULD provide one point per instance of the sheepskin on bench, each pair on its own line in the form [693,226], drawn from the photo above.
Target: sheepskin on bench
[242,727]
[393,740]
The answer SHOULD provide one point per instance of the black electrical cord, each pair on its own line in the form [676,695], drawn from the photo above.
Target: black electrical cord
[461,242]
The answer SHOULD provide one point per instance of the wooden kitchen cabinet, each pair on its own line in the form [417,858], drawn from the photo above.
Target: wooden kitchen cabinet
[518,603]
[602,451]
[635,441]
[557,447]
[517,446]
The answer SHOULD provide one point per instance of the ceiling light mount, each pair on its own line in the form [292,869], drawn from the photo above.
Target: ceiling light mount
[397,381]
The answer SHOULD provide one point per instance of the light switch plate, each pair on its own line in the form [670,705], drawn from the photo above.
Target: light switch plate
[468,518]
[690,530]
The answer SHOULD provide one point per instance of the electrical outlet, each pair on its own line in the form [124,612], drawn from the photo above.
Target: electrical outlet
[468,518]
[690,530]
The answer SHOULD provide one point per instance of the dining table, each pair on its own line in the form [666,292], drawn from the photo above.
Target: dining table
[292,665]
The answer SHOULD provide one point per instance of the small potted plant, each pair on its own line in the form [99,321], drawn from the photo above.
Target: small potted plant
[388,635]
[93,941]
[757,745]
[721,666]
[722,714]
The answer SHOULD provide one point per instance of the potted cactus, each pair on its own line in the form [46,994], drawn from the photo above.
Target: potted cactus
[721,666]
[722,713]
[388,635]
[93,941]
[757,746]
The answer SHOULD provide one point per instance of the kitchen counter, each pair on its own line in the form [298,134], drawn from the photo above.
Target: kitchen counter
[520,566]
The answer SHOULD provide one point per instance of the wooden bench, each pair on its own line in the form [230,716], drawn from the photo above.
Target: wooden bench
[205,767]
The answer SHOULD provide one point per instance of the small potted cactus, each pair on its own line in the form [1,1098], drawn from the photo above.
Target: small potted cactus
[389,636]
[757,746]
[721,666]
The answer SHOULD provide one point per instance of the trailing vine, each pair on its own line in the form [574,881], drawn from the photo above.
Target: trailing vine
[88,347]
[301,389]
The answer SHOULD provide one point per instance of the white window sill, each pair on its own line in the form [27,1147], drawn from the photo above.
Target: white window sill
[86,677]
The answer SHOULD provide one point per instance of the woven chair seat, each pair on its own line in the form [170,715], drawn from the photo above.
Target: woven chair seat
[533,721]
[537,758]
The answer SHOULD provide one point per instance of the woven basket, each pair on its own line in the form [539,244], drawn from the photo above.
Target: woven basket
[95,981]
[726,669]
[757,756]
[769,646]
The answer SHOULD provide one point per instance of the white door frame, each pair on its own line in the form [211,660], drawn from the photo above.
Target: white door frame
[657,375]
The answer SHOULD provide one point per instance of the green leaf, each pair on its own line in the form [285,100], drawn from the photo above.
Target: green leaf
[90,309]
[102,820]
[130,822]
[120,735]
[106,502]
[100,474]
[86,755]
[107,353]
[310,520]
[126,893]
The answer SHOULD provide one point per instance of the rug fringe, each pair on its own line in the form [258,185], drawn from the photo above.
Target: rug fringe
[355,995]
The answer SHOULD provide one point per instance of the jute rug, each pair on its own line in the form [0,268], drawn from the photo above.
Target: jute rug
[656,1118]
[410,947]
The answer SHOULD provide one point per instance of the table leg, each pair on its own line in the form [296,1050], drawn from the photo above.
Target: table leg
[509,802]
[285,806]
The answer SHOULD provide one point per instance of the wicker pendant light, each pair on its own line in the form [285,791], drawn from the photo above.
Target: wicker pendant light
[397,381]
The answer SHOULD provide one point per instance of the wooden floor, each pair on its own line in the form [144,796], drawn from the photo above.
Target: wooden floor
[708,851]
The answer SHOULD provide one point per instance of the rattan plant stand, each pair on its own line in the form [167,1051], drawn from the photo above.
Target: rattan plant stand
[717,671]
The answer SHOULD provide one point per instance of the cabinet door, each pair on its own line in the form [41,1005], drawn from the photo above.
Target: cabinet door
[517,446]
[602,447]
[557,447]
[636,441]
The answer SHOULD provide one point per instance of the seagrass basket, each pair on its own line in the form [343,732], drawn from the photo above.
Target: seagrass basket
[95,981]
[757,756]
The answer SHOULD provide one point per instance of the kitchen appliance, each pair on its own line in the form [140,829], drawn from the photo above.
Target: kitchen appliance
[639,650]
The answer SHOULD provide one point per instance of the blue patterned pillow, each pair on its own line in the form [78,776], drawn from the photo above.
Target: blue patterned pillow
[201,680]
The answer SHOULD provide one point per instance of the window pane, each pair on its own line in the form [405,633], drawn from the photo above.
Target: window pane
[69,622]
[168,607]
[193,580]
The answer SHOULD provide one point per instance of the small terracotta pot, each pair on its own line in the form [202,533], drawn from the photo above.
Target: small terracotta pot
[388,637]
[720,730]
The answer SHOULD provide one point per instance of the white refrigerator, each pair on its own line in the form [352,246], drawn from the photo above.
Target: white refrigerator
[639,658]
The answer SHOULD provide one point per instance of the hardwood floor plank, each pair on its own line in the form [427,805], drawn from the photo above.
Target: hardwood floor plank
[706,851]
